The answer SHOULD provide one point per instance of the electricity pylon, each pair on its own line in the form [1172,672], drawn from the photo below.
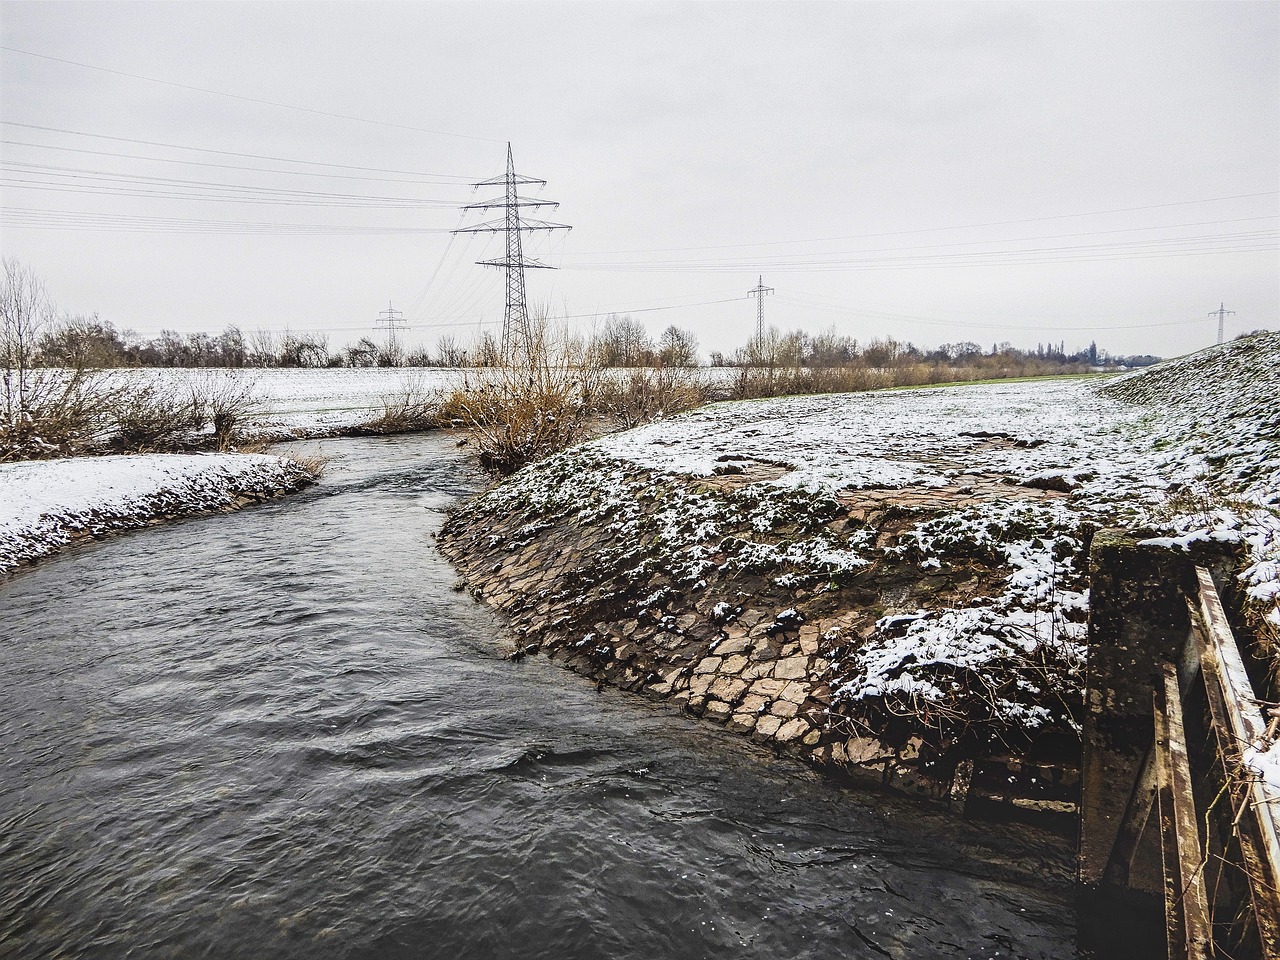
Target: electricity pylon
[758,292]
[1221,313]
[517,334]
[390,320]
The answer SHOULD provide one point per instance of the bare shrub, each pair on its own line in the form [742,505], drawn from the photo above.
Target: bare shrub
[540,401]
[156,417]
[414,406]
[314,464]
[44,412]
[225,399]
[650,394]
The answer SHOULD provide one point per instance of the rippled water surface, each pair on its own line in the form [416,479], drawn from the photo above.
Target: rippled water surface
[280,733]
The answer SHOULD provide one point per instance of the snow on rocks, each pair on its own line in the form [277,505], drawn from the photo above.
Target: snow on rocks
[46,504]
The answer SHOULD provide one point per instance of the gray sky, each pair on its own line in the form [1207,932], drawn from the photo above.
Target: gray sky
[933,172]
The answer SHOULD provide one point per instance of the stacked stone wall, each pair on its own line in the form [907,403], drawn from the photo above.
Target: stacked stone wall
[761,667]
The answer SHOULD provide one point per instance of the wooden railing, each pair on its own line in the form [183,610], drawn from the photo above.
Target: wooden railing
[1218,808]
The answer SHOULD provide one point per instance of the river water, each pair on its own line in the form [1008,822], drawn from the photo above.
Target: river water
[281,733]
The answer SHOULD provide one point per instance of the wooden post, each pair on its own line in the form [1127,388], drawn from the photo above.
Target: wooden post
[1190,932]
[1137,622]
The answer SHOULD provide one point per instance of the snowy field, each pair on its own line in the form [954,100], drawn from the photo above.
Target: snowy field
[46,504]
[312,402]
[1190,450]
[305,402]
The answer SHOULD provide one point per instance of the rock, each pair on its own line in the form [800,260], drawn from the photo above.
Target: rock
[792,730]
[791,669]
[728,689]
[797,691]
[809,639]
[865,750]
[756,670]
[742,722]
[733,665]
[767,726]
[733,645]
[708,665]
[784,709]
[768,688]
[717,710]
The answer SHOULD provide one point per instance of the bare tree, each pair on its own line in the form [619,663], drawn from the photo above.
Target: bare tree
[43,411]
[264,348]
[624,342]
[82,341]
[449,352]
[24,312]
[678,348]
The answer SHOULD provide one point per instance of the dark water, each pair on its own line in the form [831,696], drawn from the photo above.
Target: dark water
[280,733]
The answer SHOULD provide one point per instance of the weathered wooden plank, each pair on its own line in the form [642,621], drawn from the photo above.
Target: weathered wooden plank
[1230,699]
[1248,726]
[1266,907]
[1186,900]
[1138,811]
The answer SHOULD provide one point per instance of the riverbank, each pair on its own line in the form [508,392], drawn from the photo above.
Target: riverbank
[48,504]
[889,584]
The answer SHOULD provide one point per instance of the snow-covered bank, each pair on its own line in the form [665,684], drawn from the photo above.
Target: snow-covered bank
[917,554]
[46,504]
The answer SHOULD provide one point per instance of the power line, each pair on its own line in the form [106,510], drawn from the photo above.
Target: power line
[968,226]
[1079,253]
[806,258]
[111,177]
[105,190]
[674,306]
[229,166]
[935,321]
[228,153]
[257,100]
[38,219]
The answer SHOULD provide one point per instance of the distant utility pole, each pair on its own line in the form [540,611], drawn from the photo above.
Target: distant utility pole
[517,334]
[390,320]
[1221,313]
[758,292]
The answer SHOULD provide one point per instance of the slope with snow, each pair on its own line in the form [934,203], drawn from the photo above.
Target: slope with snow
[1012,477]
[46,504]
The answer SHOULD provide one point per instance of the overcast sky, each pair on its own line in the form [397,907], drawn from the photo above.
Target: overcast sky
[1028,172]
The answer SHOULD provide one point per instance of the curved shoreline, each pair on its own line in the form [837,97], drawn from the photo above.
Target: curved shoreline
[49,504]
[741,647]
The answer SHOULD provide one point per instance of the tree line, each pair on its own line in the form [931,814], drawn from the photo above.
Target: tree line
[620,341]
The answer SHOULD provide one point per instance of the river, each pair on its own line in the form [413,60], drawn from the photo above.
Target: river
[282,733]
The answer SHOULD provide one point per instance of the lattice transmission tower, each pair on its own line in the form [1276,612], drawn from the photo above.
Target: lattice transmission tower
[517,333]
[391,320]
[1221,313]
[758,291]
